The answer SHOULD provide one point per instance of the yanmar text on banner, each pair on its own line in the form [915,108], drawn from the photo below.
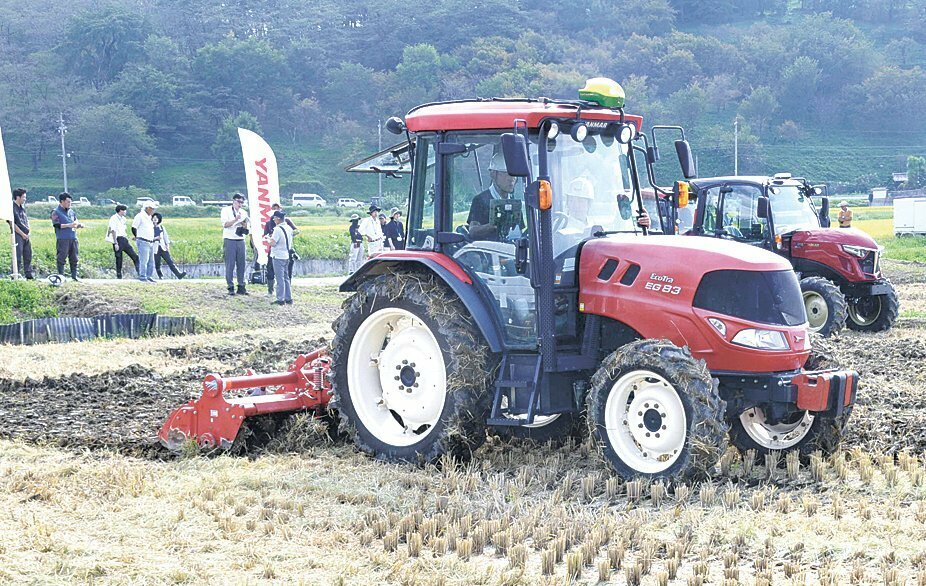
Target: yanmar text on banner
[260,169]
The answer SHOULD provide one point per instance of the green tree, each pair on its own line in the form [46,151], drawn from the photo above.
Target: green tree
[227,145]
[98,44]
[798,88]
[759,108]
[916,172]
[112,146]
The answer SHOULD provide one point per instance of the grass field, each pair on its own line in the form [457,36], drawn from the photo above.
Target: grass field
[324,236]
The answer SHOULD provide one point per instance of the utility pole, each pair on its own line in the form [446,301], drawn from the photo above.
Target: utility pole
[379,176]
[64,157]
[736,146]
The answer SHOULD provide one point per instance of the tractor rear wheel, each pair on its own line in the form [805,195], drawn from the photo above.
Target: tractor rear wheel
[874,313]
[825,305]
[411,372]
[803,431]
[653,411]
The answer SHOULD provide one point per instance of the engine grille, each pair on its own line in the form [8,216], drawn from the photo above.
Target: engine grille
[871,264]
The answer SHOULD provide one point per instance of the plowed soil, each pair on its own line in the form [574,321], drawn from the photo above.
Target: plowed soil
[123,409]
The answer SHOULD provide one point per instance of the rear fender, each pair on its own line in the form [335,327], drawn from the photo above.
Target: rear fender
[449,272]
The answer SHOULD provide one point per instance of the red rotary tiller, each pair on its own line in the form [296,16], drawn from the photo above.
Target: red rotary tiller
[214,421]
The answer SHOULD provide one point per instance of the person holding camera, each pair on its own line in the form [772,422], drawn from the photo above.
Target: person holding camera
[268,231]
[281,252]
[143,231]
[234,229]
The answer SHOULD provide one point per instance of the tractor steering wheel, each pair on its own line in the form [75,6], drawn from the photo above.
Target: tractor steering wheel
[560,219]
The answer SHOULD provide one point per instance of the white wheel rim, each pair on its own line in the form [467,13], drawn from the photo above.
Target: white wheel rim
[780,436]
[817,310]
[396,376]
[645,421]
[862,318]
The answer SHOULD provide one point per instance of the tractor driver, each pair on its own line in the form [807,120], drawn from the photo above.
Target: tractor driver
[481,226]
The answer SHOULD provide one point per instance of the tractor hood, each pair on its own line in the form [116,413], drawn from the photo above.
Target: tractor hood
[691,257]
[835,236]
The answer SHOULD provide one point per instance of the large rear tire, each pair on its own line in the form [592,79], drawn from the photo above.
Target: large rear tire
[825,305]
[653,411]
[411,374]
[875,313]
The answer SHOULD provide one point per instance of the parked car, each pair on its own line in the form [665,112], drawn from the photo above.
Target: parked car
[308,200]
[80,201]
[183,200]
[349,202]
[107,202]
[143,200]
[52,200]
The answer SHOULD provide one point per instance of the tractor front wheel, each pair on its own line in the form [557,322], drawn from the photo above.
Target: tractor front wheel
[825,305]
[653,411]
[411,372]
[803,431]
[874,313]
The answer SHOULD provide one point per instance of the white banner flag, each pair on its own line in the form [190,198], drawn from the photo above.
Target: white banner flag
[260,169]
[6,193]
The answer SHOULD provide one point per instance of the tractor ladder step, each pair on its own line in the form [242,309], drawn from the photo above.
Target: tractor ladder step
[517,373]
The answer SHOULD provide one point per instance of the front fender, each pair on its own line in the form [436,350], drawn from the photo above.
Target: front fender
[449,272]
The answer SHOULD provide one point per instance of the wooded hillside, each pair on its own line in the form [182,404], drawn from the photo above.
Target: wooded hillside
[151,90]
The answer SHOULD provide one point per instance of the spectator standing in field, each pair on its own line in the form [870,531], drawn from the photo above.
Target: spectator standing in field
[143,230]
[394,231]
[281,243]
[268,231]
[21,228]
[117,236]
[64,219]
[845,215]
[355,252]
[372,231]
[162,247]
[234,229]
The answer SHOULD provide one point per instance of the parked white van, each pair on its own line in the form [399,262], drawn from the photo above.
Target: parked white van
[183,200]
[308,200]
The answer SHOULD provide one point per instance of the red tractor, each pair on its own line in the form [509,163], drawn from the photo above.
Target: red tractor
[528,295]
[839,269]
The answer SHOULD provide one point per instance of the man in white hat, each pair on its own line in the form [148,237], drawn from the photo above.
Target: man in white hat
[502,187]
[372,231]
[143,230]
[845,215]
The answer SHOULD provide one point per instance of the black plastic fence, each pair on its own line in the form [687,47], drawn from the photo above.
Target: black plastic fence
[71,329]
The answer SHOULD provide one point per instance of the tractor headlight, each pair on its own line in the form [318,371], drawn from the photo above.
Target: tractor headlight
[857,251]
[761,339]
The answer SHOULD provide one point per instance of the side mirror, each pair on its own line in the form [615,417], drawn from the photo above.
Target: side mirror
[686,159]
[825,212]
[395,125]
[762,208]
[652,154]
[514,148]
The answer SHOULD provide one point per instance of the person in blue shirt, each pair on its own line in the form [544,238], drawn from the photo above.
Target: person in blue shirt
[64,219]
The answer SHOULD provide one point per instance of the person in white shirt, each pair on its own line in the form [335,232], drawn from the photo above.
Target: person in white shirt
[143,230]
[117,236]
[372,231]
[234,228]
[281,243]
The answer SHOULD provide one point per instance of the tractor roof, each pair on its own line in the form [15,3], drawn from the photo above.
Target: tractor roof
[501,114]
[757,179]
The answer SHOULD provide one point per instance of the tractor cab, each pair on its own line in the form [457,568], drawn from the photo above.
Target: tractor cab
[760,211]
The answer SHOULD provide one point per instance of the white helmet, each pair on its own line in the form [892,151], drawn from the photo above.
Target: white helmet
[581,187]
[498,163]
